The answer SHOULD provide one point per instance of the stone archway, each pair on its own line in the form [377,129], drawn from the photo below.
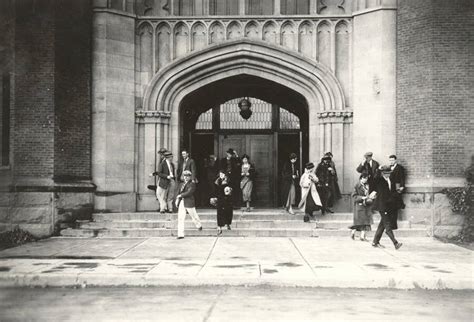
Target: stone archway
[160,110]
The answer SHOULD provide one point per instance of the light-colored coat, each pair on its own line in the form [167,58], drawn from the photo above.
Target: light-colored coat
[308,185]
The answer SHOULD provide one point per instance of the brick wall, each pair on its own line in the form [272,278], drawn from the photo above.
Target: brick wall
[72,90]
[52,131]
[434,76]
[33,130]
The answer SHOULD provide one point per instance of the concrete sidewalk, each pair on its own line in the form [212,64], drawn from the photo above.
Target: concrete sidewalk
[313,262]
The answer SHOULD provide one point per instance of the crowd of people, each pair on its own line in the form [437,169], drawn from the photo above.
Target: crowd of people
[316,189]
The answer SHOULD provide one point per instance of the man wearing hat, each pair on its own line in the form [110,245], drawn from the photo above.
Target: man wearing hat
[186,204]
[369,166]
[154,187]
[167,184]
[231,166]
[384,204]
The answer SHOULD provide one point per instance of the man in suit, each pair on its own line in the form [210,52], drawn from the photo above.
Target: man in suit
[397,178]
[161,157]
[185,202]
[383,203]
[186,163]
[369,166]
[167,184]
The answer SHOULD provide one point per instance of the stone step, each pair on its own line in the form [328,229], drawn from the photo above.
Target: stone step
[211,215]
[309,231]
[172,224]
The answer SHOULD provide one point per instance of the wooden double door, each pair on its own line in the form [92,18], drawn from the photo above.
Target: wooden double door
[261,150]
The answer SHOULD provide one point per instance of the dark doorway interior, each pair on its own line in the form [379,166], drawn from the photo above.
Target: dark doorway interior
[269,142]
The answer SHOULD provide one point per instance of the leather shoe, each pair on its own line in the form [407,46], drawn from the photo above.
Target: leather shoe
[179,237]
[200,228]
[329,210]
[398,245]
[376,245]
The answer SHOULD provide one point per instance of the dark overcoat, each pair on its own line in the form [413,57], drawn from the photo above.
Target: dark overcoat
[371,171]
[386,199]
[163,172]
[225,210]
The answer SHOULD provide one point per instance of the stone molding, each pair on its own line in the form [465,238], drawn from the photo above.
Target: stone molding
[261,58]
[142,116]
[335,116]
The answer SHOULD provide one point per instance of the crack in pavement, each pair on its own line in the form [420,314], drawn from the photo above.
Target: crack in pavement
[208,256]
[304,259]
[214,303]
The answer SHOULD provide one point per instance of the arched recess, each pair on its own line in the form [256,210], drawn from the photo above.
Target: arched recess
[170,86]
[314,81]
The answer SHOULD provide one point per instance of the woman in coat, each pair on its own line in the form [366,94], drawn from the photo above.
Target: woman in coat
[310,200]
[290,178]
[223,192]
[362,208]
[246,180]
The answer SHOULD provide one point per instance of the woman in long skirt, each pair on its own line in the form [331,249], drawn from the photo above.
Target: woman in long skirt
[310,200]
[246,181]
[290,178]
[362,208]
[225,210]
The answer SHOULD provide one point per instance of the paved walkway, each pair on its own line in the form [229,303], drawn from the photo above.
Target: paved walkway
[314,262]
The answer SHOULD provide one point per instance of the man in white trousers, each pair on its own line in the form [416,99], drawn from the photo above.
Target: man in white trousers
[185,203]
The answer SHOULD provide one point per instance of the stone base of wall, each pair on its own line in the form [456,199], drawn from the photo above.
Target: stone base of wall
[116,202]
[44,213]
[431,208]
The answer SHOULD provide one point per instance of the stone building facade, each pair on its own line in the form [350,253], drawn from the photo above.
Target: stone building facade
[92,90]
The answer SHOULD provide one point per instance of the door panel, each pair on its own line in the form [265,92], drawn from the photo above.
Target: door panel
[260,150]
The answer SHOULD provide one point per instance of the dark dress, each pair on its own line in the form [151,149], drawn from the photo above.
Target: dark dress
[287,181]
[232,168]
[225,211]
[335,192]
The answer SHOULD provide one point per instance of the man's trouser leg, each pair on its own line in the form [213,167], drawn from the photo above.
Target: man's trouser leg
[379,232]
[181,218]
[161,194]
[170,194]
[194,217]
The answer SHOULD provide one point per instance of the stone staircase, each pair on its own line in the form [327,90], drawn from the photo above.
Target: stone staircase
[258,223]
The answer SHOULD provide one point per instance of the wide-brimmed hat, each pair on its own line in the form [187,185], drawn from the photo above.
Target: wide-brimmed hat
[168,154]
[162,150]
[187,173]
[368,154]
[293,156]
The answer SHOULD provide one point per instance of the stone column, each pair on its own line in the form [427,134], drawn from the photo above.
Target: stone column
[113,107]
[374,47]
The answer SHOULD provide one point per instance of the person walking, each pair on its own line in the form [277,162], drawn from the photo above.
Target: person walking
[161,157]
[225,210]
[323,172]
[290,183]
[383,204]
[362,210]
[231,166]
[310,200]
[369,166]
[186,204]
[167,184]
[246,180]
[334,191]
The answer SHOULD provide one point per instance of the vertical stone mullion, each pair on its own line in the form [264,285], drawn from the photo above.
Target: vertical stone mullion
[333,47]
